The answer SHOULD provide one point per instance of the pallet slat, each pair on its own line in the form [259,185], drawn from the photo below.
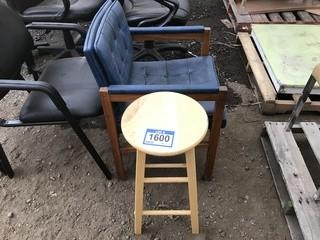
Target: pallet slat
[316,17]
[275,17]
[267,91]
[305,16]
[261,18]
[289,17]
[299,183]
[312,133]
[293,225]
[242,19]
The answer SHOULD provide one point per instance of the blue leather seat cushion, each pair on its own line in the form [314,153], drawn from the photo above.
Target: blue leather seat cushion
[74,81]
[196,71]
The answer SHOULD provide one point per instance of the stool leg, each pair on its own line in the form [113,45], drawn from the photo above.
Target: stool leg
[138,202]
[192,186]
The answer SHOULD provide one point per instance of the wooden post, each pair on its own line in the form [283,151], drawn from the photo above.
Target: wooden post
[215,133]
[192,186]
[112,132]
[139,184]
[205,42]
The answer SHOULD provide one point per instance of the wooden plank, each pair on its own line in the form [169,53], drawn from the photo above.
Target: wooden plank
[243,18]
[305,17]
[289,17]
[165,180]
[138,193]
[292,221]
[270,6]
[299,183]
[316,17]
[312,133]
[166,165]
[316,73]
[263,82]
[275,17]
[192,187]
[166,212]
[313,11]
[283,106]
[297,96]
[259,18]
[230,14]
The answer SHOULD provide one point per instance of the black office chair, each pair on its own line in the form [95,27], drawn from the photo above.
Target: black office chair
[65,92]
[69,11]
[157,13]
[55,10]
[146,13]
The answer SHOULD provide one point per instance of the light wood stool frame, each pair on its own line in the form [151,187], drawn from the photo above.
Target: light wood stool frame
[191,179]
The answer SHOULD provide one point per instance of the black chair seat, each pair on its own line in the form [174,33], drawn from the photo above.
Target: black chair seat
[80,10]
[139,10]
[74,81]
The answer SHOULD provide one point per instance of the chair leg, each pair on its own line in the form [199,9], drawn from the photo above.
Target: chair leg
[139,185]
[5,166]
[193,192]
[86,142]
[112,132]
[214,135]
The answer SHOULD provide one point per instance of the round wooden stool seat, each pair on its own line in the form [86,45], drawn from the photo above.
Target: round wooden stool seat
[165,124]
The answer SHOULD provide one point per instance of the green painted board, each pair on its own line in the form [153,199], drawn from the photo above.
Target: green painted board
[289,52]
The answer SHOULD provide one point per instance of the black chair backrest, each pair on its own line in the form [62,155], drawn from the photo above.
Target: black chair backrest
[21,5]
[16,43]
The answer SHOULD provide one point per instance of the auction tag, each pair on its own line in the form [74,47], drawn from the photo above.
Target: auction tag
[156,137]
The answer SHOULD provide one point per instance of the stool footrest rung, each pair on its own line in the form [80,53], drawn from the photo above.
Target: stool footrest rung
[166,212]
[165,180]
[166,165]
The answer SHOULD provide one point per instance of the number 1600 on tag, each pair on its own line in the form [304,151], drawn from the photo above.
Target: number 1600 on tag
[162,138]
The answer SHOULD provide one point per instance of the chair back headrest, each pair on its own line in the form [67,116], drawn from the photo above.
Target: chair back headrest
[108,45]
[16,43]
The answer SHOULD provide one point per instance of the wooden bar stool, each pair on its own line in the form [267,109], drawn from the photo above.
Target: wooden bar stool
[165,124]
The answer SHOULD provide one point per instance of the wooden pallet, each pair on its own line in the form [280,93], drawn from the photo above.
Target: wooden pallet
[270,101]
[242,22]
[292,178]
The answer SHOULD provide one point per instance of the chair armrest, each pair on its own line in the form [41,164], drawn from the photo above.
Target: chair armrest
[167,30]
[40,87]
[191,33]
[58,26]
[144,89]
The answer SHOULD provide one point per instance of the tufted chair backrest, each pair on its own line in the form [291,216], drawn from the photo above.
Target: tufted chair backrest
[108,45]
